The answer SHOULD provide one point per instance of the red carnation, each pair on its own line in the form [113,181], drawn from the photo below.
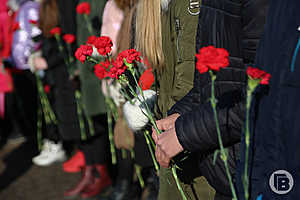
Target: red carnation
[101,70]
[82,52]
[130,55]
[16,26]
[255,73]
[146,79]
[69,38]
[47,89]
[103,45]
[116,72]
[33,22]
[211,58]
[91,39]
[83,8]
[55,31]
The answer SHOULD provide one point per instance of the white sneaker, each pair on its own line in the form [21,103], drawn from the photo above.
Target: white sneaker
[51,153]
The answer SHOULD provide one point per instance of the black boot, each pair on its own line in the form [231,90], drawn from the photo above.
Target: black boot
[123,190]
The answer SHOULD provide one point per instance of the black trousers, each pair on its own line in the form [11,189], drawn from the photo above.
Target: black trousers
[96,148]
[21,105]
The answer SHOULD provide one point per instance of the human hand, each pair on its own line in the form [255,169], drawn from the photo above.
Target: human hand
[164,124]
[40,63]
[167,147]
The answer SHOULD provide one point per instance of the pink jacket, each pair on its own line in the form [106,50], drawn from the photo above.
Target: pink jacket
[112,21]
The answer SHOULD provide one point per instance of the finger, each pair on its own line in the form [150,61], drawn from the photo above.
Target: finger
[165,162]
[159,124]
[157,154]
[154,135]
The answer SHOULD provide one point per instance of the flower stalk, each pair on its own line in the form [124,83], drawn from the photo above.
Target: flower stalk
[222,149]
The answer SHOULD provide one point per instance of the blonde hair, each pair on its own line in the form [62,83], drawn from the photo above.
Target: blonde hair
[148,37]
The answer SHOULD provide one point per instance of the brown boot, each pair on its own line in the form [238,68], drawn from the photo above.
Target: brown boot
[99,184]
[86,179]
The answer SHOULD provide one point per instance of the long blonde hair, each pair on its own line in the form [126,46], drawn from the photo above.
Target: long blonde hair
[148,37]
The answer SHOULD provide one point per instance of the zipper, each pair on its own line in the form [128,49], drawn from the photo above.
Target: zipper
[178,33]
[295,56]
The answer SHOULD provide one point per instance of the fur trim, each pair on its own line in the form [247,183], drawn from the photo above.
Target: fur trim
[165,4]
[115,94]
[133,113]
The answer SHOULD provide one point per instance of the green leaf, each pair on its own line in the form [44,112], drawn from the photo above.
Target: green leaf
[215,156]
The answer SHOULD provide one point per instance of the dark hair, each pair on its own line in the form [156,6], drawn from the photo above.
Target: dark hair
[48,16]
[122,4]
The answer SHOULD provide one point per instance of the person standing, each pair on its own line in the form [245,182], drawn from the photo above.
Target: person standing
[275,109]
[96,148]
[237,27]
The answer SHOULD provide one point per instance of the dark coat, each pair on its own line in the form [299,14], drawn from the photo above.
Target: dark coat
[58,77]
[92,96]
[276,112]
[236,27]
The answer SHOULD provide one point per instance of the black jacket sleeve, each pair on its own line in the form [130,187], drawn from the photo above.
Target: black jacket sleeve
[196,128]
[67,23]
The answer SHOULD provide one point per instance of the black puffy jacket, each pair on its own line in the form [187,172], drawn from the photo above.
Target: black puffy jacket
[235,25]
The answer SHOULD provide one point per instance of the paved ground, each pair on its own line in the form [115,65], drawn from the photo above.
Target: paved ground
[21,180]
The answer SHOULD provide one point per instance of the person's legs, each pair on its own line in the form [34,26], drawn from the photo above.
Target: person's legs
[124,180]
[95,173]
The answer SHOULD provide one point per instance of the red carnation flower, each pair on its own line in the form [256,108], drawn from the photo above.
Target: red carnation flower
[82,52]
[83,8]
[33,22]
[255,73]
[101,70]
[130,55]
[55,31]
[69,38]
[116,72]
[91,39]
[146,79]
[211,58]
[16,26]
[47,89]
[103,45]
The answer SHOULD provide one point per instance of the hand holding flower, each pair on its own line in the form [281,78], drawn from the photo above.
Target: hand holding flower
[167,147]
[40,63]
[164,124]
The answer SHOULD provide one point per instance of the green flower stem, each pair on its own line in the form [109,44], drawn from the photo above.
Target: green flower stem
[80,116]
[88,23]
[139,175]
[178,183]
[252,84]
[124,153]
[39,126]
[153,122]
[110,111]
[146,135]
[88,118]
[91,59]
[143,101]
[46,107]
[80,107]
[91,126]
[223,152]
[110,134]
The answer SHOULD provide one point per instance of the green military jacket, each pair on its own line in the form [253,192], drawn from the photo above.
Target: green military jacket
[179,29]
[92,96]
